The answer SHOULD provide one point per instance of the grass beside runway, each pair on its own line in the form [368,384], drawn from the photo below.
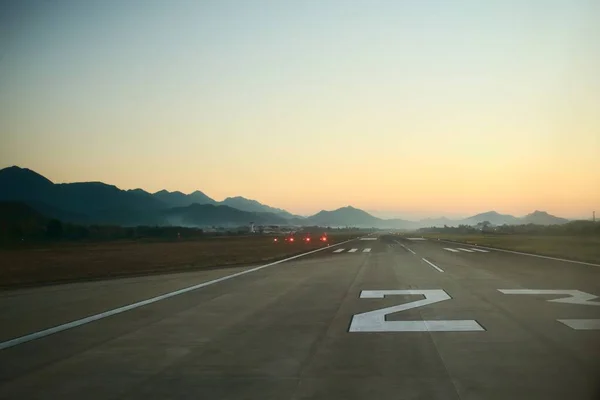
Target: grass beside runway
[75,262]
[580,248]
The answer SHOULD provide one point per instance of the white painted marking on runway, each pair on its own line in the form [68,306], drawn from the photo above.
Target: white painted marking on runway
[452,250]
[352,250]
[416,238]
[96,317]
[368,238]
[367,250]
[576,296]
[479,250]
[374,321]
[409,249]
[339,250]
[581,324]
[432,264]
[529,254]
[406,247]
[467,250]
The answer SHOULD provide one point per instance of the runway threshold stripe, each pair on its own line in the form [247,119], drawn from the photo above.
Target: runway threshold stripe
[367,250]
[432,264]
[338,250]
[452,250]
[92,318]
[480,250]
[467,250]
[352,250]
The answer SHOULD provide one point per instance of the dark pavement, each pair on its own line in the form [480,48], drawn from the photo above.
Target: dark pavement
[284,332]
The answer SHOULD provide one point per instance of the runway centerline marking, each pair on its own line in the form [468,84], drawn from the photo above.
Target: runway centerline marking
[352,250]
[467,250]
[106,314]
[367,250]
[480,250]
[432,264]
[452,250]
[406,247]
[338,250]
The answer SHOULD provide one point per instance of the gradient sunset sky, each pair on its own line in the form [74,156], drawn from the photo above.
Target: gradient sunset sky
[408,108]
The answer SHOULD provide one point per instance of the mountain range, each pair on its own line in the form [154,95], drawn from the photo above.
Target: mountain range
[100,203]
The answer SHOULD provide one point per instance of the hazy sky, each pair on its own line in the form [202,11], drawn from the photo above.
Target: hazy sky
[410,108]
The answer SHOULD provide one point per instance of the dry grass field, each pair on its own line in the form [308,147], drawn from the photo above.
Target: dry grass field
[71,262]
[581,248]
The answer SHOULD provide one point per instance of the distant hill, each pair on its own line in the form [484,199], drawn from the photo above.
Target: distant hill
[83,202]
[537,217]
[23,184]
[345,216]
[244,204]
[492,216]
[18,212]
[210,214]
[100,203]
[97,202]
[542,218]
[17,219]
[178,199]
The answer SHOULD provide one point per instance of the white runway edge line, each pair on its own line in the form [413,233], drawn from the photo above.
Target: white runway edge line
[96,317]
[432,264]
[528,254]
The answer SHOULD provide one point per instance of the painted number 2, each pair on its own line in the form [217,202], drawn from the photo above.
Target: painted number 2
[575,297]
[374,321]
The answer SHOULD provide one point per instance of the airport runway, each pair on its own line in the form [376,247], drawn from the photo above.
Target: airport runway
[406,319]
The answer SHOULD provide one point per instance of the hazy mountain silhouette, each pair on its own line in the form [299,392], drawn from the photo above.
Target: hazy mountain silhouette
[210,214]
[542,218]
[495,218]
[97,202]
[18,212]
[24,184]
[178,199]
[345,216]
[491,216]
[89,202]
[244,204]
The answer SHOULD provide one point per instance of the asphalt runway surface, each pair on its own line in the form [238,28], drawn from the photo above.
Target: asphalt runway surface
[405,319]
